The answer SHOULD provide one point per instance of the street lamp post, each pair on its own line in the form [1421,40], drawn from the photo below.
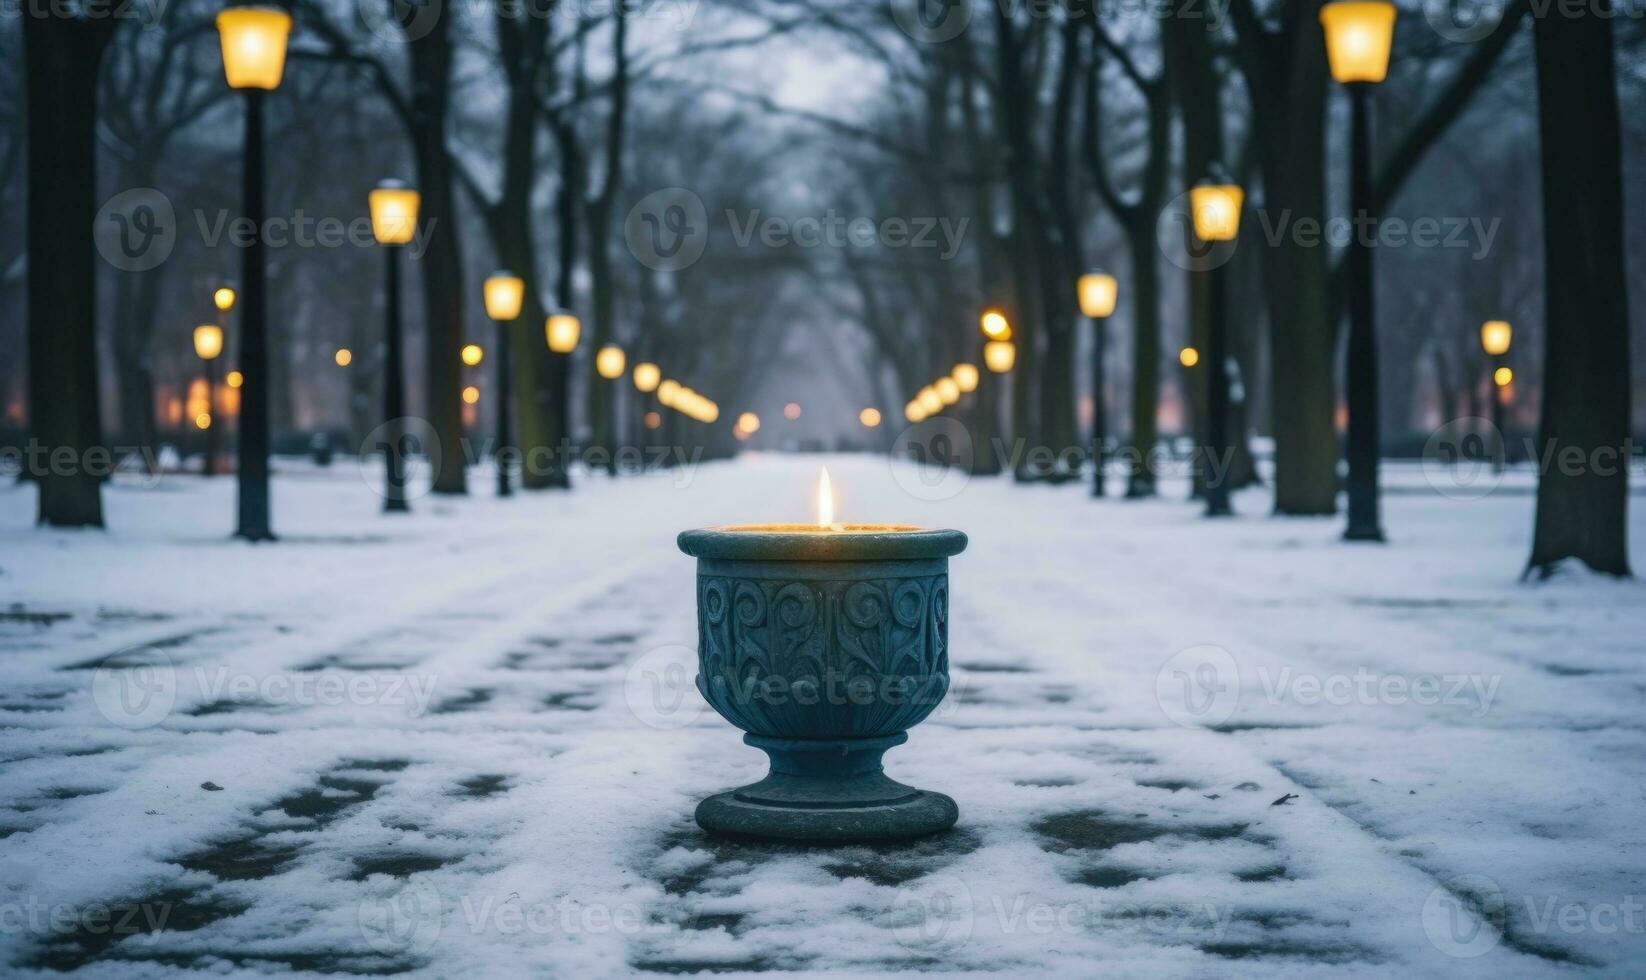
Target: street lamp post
[1495,337]
[1216,207]
[610,363]
[1359,34]
[562,330]
[254,59]
[1098,292]
[208,344]
[394,223]
[646,376]
[505,294]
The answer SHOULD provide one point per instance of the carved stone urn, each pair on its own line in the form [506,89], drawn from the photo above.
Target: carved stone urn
[825,646]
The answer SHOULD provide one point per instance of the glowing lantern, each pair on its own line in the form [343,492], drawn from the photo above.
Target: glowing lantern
[505,294]
[254,46]
[1098,292]
[562,330]
[999,356]
[610,362]
[208,341]
[1359,34]
[394,213]
[1495,336]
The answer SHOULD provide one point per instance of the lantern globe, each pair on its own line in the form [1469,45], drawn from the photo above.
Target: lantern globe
[930,400]
[610,362]
[344,357]
[999,356]
[505,294]
[1215,208]
[749,422]
[254,46]
[870,417]
[994,325]
[947,390]
[208,341]
[471,395]
[562,329]
[965,375]
[1495,337]
[235,379]
[1359,35]
[394,212]
[1098,292]
[647,376]
[1503,376]
[667,389]
[473,354]
[913,412]
[224,298]
[1188,357]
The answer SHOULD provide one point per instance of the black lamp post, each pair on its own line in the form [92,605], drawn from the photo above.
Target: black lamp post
[394,224]
[1098,292]
[208,345]
[1495,336]
[505,294]
[1358,37]
[254,58]
[610,362]
[646,377]
[1216,205]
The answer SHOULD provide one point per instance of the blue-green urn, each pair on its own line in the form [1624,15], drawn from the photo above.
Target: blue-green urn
[825,646]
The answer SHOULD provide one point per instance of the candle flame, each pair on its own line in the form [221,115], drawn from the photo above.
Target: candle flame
[825,500]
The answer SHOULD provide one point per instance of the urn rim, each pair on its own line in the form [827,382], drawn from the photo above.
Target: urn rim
[805,542]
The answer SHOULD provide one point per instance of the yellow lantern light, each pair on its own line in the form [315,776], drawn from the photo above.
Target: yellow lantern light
[471,395]
[965,375]
[929,400]
[1504,377]
[1098,292]
[1216,210]
[947,390]
[999,356]
[1495,336]
[473,354]
[344,357]
[870,417]
[610,362]
[208,341]
[749,422]
[1188,357]
[913,412]
[394,212]
[563,329]
[711,411]
[203,420]
[235,379]
[1359,34]
[667,389]
[505,294]
[995,326]
[646,376]
[224,298]
[254,46]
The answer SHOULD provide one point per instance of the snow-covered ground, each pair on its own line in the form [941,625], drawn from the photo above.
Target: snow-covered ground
[465,742]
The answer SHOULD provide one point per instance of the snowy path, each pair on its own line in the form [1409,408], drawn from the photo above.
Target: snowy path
[464,743]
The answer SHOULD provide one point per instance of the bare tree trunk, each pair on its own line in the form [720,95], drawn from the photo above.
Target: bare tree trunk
[63,55]
[1286,74]
[1583,438]
[430,50]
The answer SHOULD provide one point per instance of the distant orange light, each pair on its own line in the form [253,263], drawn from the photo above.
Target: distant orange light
[471,394]
[870,417]
[235,379]
[653,420]
[995,326]
[1188,357]
[203,420]
[791,411]
[344,357]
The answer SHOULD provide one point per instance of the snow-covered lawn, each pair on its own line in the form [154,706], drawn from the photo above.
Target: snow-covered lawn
[464,742]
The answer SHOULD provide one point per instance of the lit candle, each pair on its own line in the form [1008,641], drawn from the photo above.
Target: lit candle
[825,504]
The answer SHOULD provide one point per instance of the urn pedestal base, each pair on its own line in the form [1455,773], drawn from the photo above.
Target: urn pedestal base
[827,791]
